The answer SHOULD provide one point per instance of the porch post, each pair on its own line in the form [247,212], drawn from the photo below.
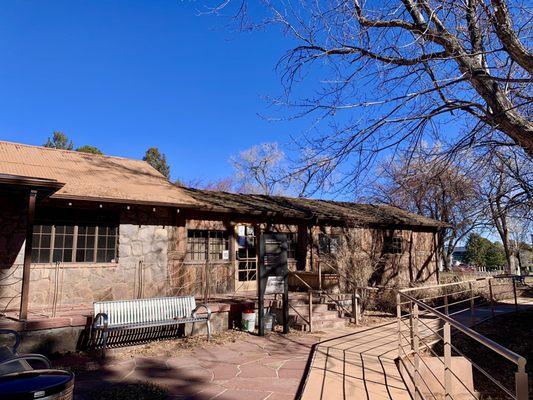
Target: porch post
[27,256]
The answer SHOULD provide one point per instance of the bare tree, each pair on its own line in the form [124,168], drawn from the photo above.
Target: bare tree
[508,196]
[391,74]
[357,258]
[260,169]
[448,192]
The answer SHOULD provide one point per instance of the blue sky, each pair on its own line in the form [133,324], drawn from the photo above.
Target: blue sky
[128,75]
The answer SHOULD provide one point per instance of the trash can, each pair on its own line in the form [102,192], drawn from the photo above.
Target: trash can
[40,384]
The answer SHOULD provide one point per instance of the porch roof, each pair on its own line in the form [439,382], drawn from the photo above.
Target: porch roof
[310,209]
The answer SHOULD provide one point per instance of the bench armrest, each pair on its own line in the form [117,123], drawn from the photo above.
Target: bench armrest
[28,357]
[193,314]
[103,324]
[17,338]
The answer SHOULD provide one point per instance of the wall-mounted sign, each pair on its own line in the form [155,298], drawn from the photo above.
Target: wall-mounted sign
[225,254]
[275,285]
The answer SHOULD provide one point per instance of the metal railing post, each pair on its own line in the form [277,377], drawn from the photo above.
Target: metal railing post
[471,300]
[399,317]
[446,301]
[515,296]
[491,297]
[355,307]
[447,362]
[411,326]
[416,349]
[521,382]
[310,311]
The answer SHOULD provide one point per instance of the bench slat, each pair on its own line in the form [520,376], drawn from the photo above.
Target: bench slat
[138,311]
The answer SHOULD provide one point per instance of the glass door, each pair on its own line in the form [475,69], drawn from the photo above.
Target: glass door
[246,274]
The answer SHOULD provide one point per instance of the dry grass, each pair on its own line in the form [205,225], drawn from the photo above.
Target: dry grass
[515,335]
[373,318]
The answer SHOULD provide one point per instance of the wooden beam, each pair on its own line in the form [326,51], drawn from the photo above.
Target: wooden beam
[23,315]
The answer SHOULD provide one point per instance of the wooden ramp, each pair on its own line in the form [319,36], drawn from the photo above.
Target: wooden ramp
[361,364]
[358,365]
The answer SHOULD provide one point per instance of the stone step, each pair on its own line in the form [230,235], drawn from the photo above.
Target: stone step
[304,308]
[317,315]
[321,325]
[297,319]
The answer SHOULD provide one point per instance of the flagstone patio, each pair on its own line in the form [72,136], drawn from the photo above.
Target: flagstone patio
[249,368]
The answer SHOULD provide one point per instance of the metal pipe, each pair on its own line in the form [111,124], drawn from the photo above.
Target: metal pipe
[310,311]
[447,362]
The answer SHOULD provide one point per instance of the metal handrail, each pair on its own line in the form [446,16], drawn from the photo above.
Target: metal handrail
[517,359]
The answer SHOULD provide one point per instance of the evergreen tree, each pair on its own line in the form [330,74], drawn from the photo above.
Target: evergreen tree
[89,149]
[59,141]
[157,160]
[495,256]
[483,253]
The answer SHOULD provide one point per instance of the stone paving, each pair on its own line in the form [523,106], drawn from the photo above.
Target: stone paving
[250,368]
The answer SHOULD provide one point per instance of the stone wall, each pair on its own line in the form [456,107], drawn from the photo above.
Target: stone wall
[141,271]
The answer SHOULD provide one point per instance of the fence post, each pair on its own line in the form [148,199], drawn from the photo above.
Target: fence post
[411,325]
[514,293]
[399,317]
[416,349]
[491,297]
[447,362]
[310,311]
[521,381]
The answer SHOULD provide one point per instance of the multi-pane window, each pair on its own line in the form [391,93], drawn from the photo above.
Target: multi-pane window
[393,245]
[85,247]
[203,245]
[63,243]
[292,245]
[74,243]
[329,244]
[42,242]
[107,243]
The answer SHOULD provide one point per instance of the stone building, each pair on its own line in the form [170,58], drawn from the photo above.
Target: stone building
[79,227]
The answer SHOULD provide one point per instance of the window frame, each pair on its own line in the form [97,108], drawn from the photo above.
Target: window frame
[292,245]
[393,245]
[325,241]
[208,242]
[73,259]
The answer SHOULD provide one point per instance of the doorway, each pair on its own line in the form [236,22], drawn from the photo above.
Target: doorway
[246,272]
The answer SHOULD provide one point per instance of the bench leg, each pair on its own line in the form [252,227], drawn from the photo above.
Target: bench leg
[208,330]
[192,329]
[104,344]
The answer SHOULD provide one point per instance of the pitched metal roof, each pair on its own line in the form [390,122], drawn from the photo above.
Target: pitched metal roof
[310,209]
[92,177]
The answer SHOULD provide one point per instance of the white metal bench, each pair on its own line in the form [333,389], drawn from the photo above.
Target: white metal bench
[146,313]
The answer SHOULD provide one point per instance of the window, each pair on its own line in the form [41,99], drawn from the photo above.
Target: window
[393,245]
[42,242]
[329,244]
[203,245]
[292,245]
[74,243]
